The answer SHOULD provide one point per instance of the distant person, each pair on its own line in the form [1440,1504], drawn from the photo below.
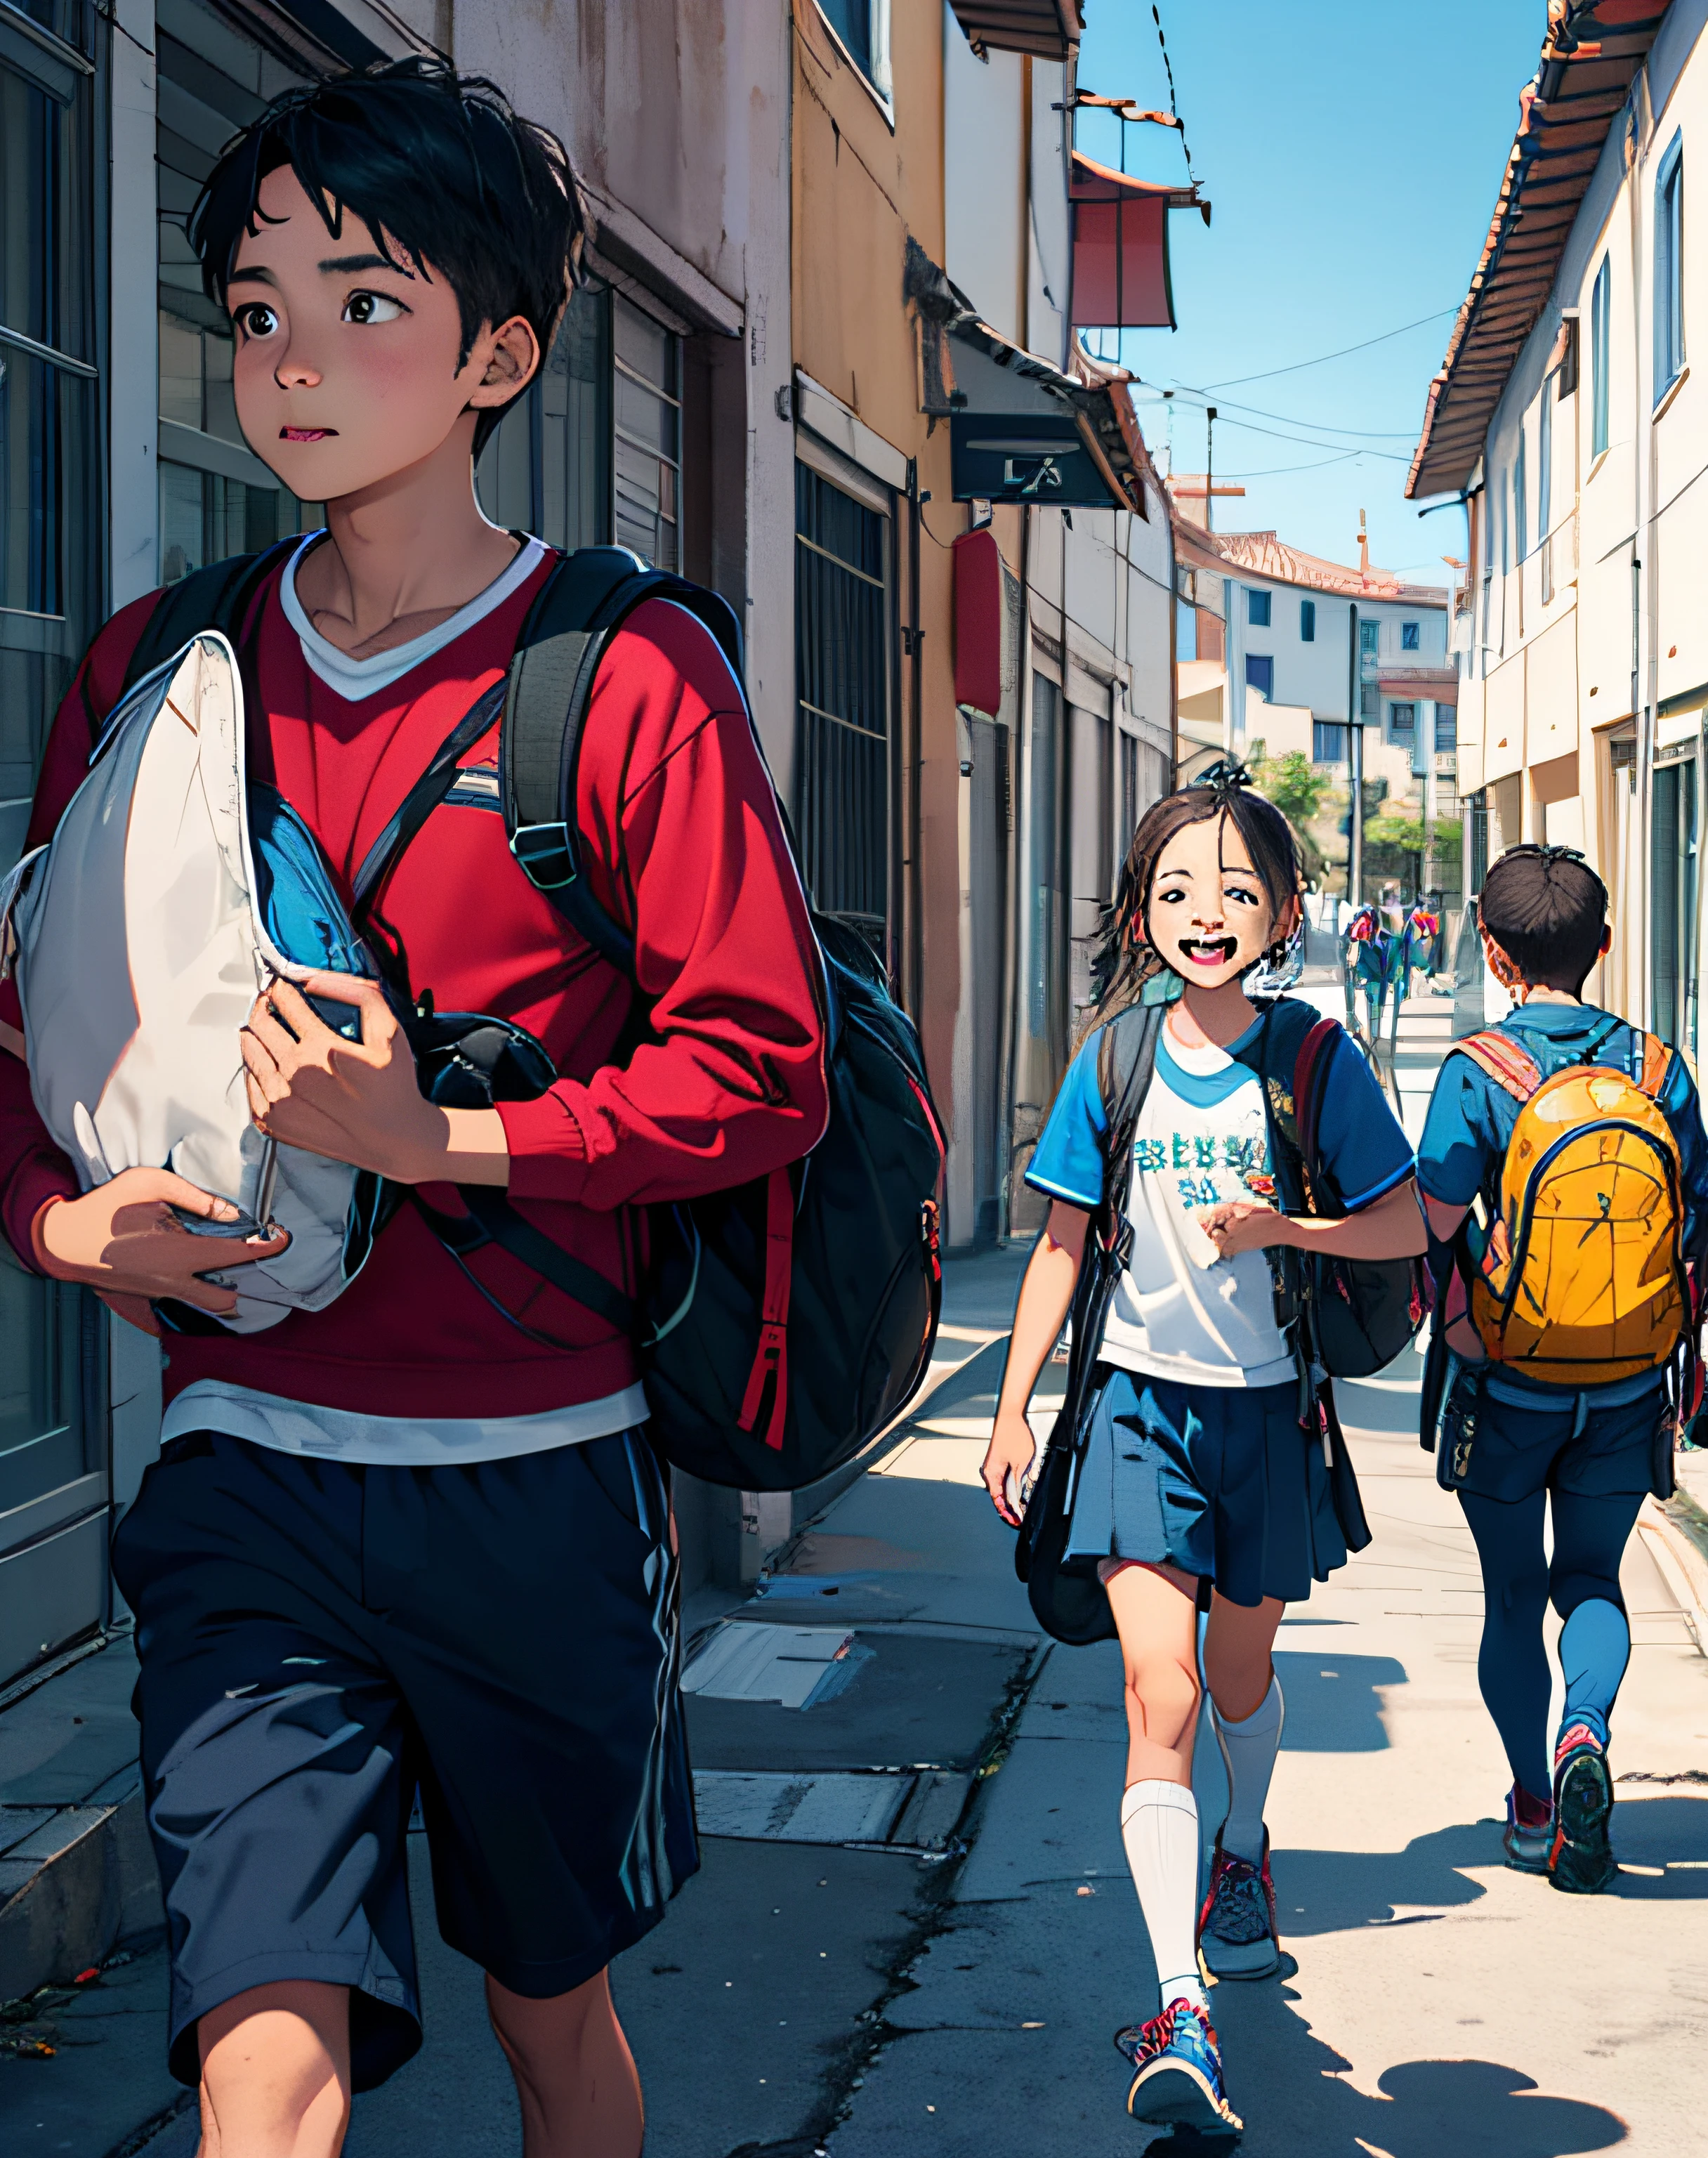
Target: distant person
[1371,961]
[1562,1365]
[1201,1480]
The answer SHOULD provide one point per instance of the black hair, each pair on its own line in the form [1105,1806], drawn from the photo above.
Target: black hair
[1547,910]
[433,163]
[1124,960]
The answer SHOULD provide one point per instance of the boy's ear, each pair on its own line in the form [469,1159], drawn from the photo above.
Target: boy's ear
[1499,965]
[504,362]
[1607,940]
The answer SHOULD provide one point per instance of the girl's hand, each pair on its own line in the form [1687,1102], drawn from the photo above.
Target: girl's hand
[1242,1225]
[1009,1456]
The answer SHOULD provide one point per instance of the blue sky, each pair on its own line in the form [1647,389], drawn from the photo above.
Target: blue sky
[1352,153]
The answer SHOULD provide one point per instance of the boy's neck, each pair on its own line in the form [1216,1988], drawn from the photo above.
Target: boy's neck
[1212,1018]
[402,554]
[1545,996]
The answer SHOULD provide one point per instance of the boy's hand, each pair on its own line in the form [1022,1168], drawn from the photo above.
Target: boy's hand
[124,1241]
[1008,1462]
[358,1101]
[1242,1225]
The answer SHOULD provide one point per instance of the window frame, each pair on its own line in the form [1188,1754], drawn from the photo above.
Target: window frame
[1308,622]
[1410,637]
[1257,597]
[1667,267]
[1264,661]
[1521,501]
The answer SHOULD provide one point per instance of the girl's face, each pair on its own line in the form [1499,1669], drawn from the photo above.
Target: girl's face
[1209,918]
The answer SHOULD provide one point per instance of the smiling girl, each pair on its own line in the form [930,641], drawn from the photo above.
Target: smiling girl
[1197,1475]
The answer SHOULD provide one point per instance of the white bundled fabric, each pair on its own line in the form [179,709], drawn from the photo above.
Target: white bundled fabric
[139,948]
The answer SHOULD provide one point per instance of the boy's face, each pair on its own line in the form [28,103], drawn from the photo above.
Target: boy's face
[345,371]
[1209,916]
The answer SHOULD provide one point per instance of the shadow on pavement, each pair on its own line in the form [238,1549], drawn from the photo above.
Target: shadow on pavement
[1291,2089]
[1335,1707]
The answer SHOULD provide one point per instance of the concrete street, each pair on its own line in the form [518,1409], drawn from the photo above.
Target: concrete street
[879,1995]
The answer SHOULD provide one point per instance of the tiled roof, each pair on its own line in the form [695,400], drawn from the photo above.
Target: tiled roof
[1050,29]
[1591,52]
[1264,554]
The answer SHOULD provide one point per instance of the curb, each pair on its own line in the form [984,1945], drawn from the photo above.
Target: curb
[92,1884]
[1682,1558]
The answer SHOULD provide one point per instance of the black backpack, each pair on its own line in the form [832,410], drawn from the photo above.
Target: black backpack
[781,1325]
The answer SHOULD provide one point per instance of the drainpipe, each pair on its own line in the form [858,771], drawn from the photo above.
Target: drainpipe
[913,642]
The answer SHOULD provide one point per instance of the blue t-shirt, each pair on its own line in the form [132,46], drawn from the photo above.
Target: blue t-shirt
[1181,1310]
[1470,1119]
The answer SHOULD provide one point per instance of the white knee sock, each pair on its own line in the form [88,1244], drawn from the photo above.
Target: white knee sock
[1248,1749]
[1159,1827]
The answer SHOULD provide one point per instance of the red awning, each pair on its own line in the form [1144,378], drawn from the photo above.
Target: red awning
[1120,247]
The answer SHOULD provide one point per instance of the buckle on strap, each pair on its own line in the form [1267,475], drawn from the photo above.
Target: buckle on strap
[544,855]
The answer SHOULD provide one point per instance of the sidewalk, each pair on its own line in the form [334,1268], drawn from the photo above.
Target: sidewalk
[914,1930]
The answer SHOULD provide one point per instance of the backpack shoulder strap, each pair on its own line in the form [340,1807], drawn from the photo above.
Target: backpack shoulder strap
[579,609]
[1500,1058]
[1127,1057]
[214,598]
[1657,1062]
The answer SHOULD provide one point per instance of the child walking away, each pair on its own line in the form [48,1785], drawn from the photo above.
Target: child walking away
[1199,1447]
[1563,1354]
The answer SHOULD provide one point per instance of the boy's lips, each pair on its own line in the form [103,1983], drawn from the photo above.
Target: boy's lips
[1209,952]
[306,434]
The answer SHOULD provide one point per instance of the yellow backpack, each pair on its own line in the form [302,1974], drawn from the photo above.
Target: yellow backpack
[1582,1278]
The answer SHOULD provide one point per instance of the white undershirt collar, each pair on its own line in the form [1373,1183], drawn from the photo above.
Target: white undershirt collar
[354,679]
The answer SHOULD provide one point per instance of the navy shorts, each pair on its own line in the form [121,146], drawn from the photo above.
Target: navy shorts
[317,1640]
[1561,1440]
[1219,1481]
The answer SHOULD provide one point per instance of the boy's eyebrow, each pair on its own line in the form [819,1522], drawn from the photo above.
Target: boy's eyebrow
[340,266]
[253,273]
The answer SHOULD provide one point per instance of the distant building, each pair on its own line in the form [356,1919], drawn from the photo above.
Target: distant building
[1262,639]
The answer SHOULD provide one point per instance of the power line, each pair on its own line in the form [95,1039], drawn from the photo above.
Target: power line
[1270,472]
[1364,434]
[1306,442]
[1173,106]
[1322,358]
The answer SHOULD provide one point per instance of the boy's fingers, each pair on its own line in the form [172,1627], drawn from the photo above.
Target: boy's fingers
[206,1205]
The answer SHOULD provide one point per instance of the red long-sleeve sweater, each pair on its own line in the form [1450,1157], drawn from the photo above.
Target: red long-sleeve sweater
[683,845]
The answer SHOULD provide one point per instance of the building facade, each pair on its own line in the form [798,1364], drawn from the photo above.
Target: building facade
[1566,417]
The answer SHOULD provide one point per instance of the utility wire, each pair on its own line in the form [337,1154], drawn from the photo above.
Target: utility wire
[1174,105]
[1364,434]
[1271,472]
[1322,358]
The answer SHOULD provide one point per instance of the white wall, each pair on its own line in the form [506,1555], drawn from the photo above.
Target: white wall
[985,249]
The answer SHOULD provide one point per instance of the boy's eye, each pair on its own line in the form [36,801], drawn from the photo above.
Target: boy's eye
[1244,898]
[366,307]
[1171,895]
[257,320]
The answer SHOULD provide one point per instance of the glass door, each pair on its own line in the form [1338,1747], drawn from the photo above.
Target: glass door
[1673,905]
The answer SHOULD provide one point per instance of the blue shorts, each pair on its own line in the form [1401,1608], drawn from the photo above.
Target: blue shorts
[1219,1481]
[1568,1442]
[319,1638]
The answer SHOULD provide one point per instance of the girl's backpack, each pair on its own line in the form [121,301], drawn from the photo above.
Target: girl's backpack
[783,1324]
[1582,1279]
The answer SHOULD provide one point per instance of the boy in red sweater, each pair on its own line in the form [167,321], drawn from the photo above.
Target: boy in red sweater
[404,1542]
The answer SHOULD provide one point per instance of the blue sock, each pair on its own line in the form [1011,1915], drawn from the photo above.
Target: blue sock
[1595,1647]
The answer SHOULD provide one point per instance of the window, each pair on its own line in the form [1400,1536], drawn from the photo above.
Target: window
[53,1484]
[1308,622]
[1409,637]
[1402,723]
[1257,608]
[842,643]
[864,28]
[1447,728]
[1260,673]
[1370,642]
[1600,346]
[1186,630]
[1669,268]
[1505,528]
[1370,702]
[1328,742]
[1544,466]
[648,435]
[1047,985]
[1521,545]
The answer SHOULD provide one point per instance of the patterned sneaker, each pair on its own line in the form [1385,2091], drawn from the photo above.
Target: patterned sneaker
[1528,1835]
[1237,1935]
[1179,2080]
[1581,1861]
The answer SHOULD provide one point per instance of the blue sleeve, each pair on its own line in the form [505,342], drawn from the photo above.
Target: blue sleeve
[1359,1144]
[1683,1111]
[1460,1143]
[1068,1162]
